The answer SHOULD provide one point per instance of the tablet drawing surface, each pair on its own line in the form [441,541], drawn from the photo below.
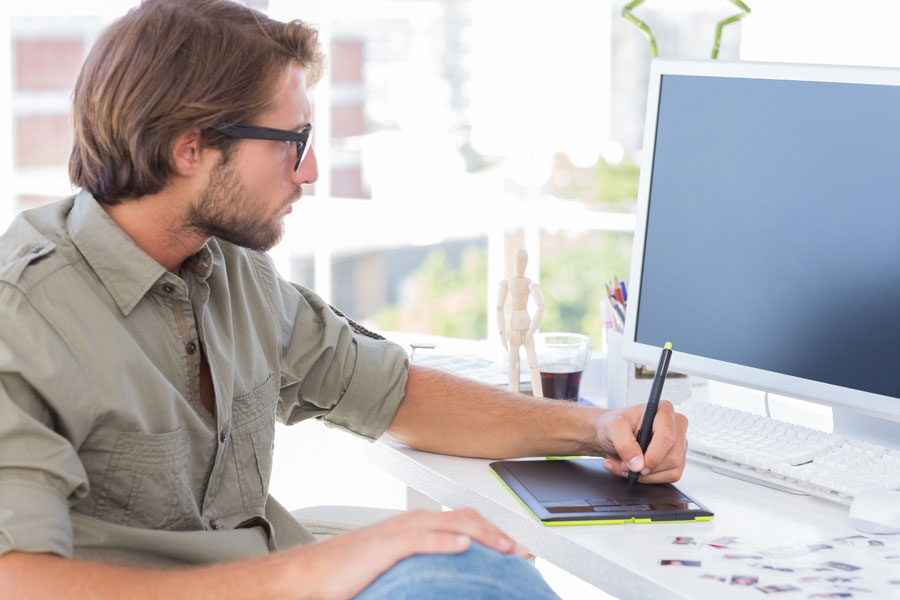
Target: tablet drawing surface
[581,492]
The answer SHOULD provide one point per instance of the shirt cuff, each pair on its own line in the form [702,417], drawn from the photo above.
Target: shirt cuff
[376,388]
[34,518]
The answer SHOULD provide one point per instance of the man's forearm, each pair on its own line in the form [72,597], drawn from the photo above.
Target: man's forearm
[40,576]
[451,415]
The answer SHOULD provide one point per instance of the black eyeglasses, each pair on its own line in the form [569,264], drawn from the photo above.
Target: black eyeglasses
[253,132]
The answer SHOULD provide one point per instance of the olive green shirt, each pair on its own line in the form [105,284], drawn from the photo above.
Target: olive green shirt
[106,451]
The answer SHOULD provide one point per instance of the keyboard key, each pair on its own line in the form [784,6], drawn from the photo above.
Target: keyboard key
[801,456]
[703,446]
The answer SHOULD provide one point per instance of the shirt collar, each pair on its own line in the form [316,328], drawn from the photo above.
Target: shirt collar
[201,263]
[125,270]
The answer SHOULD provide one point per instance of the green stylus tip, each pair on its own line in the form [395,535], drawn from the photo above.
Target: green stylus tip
[668,345]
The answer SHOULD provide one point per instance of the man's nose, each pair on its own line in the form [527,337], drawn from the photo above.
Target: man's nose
[309,169]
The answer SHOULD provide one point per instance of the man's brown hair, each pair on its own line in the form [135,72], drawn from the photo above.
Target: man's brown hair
[171,66]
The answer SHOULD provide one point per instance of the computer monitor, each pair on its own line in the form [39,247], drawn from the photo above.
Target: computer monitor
[767,243]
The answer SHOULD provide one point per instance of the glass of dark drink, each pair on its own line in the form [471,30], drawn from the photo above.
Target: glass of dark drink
[561,360]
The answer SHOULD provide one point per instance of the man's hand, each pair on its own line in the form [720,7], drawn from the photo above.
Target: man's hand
[343,566]
[664,460]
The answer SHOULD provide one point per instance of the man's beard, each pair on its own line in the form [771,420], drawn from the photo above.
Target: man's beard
[226,211]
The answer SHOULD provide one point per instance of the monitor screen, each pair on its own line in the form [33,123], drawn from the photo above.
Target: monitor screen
[768,235]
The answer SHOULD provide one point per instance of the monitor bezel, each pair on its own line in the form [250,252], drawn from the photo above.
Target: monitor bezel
[867,403]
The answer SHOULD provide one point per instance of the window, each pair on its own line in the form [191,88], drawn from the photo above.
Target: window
[454,132]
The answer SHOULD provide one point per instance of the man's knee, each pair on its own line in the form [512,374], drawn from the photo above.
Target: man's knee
[476,574]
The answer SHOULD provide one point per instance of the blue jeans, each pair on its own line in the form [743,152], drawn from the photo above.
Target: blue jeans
[476,574]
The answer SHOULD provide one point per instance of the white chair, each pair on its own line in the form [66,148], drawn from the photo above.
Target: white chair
[325,522]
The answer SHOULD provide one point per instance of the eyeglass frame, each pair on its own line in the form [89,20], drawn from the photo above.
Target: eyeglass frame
[256,132]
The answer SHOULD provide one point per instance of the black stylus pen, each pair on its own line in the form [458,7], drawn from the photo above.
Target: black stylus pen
[646,430]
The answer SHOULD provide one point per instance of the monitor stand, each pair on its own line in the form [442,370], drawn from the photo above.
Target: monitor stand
[857,426]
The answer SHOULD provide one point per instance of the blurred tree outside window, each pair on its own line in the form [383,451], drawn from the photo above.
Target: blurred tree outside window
[441,299]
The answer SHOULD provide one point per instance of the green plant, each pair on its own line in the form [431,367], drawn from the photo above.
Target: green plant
[654,50]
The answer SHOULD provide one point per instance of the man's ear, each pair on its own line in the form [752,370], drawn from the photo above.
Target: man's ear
[187,153]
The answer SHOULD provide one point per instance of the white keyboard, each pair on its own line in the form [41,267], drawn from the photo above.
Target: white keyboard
[785,455]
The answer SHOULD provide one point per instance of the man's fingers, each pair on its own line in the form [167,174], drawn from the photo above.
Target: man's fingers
[670,450]
[665,456]
[667,476]
[618,431]
[614,466]
[466,522]
[617,467]
[668,433]
[469,522]
[426,541]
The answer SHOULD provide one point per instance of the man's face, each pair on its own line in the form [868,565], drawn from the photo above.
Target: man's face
[250,190]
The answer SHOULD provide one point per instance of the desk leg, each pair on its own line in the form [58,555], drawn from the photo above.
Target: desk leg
[417,500]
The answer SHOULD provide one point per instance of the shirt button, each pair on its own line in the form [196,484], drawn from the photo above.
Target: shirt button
[213,524]
[191,347]
[168,288]
[36,249]
[223,435]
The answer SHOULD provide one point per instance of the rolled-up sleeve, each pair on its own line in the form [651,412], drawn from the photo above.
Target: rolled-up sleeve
[331,372]
[40,472]
[375,389]
[34,517]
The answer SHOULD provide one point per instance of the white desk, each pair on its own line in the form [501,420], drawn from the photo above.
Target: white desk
[623,560]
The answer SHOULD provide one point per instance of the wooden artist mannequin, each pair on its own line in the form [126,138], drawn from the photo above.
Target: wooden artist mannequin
[521,325]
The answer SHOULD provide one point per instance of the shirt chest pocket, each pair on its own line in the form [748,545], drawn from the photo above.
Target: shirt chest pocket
[253,440]
[147,483]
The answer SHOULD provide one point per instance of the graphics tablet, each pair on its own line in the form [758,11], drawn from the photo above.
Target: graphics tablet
[582,492]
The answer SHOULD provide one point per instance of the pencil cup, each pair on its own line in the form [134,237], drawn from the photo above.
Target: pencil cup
[627,383]
[616,370]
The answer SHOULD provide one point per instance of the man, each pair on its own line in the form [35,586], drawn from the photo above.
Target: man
[147,347]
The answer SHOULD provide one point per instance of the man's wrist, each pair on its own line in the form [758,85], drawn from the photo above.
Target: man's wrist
[585,422]
[568,428]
